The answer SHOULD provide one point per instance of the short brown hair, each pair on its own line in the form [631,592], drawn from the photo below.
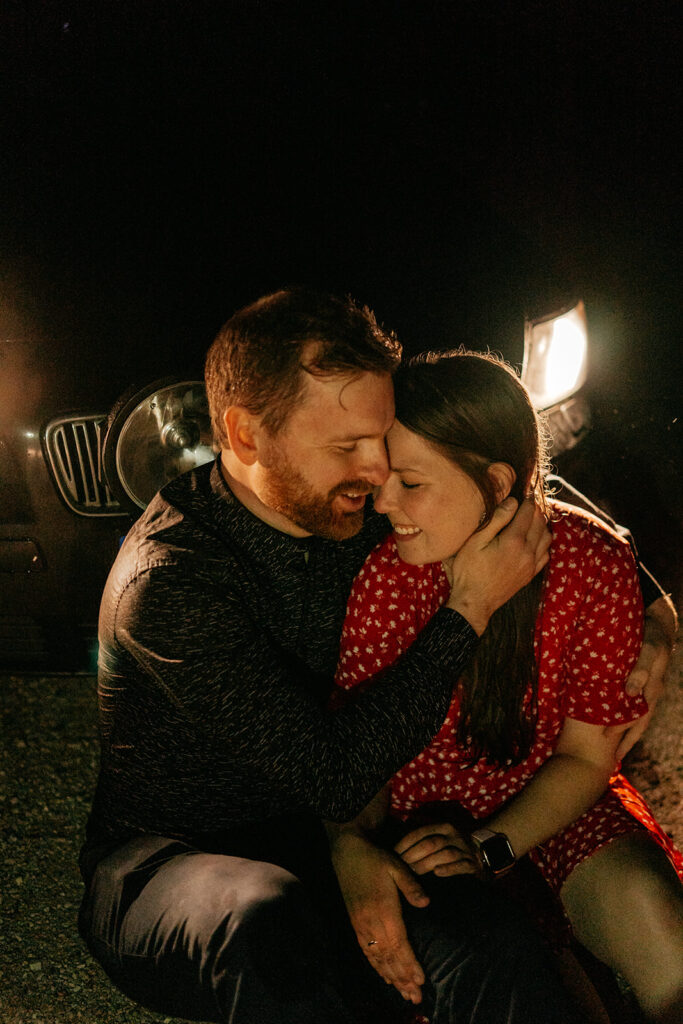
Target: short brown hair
[257,358]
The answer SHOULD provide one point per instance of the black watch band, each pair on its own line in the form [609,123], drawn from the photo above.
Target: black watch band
[495,850]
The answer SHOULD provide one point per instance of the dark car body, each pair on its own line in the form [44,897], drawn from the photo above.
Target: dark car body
[56,543]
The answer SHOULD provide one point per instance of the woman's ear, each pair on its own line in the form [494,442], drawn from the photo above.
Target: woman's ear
[242,429]
[503,476]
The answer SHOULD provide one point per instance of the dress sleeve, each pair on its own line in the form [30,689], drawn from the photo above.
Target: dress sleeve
[607,635]
[390,603]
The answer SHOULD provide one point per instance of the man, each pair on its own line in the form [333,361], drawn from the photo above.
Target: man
[209,890]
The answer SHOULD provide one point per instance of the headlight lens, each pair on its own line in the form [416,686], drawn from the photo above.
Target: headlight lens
[555,356]
[167,433]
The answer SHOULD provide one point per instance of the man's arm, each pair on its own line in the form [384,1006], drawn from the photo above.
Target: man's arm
[246,706]
[647,675]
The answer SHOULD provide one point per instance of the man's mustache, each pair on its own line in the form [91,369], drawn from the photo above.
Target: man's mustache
[353,487]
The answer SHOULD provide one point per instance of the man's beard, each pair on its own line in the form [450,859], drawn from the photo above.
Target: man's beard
[285,490]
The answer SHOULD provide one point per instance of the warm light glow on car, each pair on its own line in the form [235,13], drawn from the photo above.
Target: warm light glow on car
[555,356]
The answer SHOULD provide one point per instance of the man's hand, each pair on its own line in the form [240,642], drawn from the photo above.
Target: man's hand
[439,848]
[498,561]
[370,880]
[647,675]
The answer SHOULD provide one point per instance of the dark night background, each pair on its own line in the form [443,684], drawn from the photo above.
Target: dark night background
[454,165]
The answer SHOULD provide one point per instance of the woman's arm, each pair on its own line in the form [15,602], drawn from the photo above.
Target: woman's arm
[566,786]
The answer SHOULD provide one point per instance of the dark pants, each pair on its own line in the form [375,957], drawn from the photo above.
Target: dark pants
[221,938]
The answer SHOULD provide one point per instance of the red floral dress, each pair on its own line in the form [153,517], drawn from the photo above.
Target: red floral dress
[587,638]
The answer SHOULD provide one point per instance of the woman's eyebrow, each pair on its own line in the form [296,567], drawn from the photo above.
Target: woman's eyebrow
[406,469]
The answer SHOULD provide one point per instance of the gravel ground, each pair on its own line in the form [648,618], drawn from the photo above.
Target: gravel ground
[48,764]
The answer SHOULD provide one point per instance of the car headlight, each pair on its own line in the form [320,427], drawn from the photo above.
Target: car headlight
[555,356]
[153,435]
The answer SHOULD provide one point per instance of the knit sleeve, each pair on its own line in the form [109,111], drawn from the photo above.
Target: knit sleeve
[258,742]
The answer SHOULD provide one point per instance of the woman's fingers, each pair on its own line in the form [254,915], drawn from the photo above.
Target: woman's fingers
[416,835]
[439,848]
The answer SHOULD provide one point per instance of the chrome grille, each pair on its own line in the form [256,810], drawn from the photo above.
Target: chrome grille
[74,453]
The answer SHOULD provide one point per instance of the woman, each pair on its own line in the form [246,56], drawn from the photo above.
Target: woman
[529,747]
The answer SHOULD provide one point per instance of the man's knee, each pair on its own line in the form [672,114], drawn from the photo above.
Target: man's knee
[261,903]
[201,928]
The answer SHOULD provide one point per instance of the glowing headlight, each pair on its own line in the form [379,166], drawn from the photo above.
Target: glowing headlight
[555,356]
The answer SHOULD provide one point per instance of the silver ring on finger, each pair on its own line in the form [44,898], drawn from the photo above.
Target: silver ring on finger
[372,942]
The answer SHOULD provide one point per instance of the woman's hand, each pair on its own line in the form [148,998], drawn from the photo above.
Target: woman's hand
[439,848]
[371,881]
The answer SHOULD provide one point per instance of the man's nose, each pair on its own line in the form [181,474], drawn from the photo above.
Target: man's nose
[382,499]
[375,466]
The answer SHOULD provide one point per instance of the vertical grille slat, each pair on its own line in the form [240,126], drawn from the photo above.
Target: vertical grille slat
[74,454]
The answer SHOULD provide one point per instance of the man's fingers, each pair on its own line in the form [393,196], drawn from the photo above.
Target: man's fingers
[641,670]
[538,537]
[647,675]
[502,515]
[527,528]
[392,957]
[496,562]
[632,735]
[381,933]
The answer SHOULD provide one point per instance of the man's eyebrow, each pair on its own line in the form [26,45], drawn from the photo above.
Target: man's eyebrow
[350,437]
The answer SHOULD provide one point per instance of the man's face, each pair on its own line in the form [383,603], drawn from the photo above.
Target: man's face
[318,470]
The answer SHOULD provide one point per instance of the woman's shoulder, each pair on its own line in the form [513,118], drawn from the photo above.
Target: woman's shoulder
[584,533]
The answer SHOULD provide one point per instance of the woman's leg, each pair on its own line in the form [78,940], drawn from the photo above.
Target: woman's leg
[625,904]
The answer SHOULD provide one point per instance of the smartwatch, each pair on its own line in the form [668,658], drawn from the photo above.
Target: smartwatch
[495,850]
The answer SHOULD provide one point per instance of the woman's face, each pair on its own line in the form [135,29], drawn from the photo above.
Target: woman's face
[433,505]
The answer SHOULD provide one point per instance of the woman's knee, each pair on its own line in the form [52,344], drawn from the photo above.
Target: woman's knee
[629,880]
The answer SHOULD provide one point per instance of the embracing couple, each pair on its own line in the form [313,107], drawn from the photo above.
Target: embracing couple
[283,825]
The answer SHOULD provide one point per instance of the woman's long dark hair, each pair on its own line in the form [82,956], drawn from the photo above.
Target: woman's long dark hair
[474,410]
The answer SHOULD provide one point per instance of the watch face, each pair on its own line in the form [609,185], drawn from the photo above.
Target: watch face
[497,853]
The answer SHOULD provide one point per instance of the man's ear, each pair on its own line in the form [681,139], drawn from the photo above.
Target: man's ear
[503,476]
[243,430]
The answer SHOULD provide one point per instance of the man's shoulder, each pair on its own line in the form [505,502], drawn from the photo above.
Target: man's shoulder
[177,534]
